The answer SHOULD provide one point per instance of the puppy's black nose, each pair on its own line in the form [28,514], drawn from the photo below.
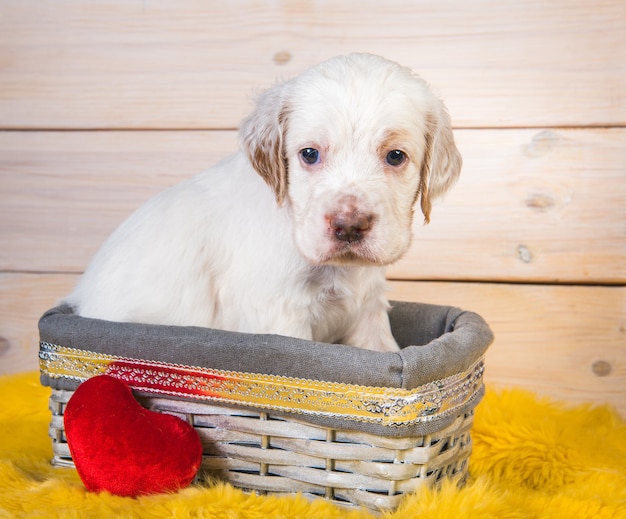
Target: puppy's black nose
[350,227]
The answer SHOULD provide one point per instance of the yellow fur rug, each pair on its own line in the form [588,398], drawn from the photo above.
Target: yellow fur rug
[531,459]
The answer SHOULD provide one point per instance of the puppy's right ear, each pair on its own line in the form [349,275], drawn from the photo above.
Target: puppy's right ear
[442,160]
[262,135]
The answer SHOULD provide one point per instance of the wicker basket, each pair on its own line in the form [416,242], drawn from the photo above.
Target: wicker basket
[272,429]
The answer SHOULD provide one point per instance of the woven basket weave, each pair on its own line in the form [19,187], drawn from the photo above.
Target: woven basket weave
[351,443]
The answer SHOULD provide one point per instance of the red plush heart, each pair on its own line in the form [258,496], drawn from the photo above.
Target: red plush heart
[123,448]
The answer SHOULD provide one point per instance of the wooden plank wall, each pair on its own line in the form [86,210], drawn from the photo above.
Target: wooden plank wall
[104,103]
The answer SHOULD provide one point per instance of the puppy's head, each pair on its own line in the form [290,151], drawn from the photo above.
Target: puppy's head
[349,147]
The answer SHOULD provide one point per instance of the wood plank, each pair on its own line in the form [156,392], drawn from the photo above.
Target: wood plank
[62,194]
[568,342]
[531,205]
[23,300]
[133,64]
[541,206]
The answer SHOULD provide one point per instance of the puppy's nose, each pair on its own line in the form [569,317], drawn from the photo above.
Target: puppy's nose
[350,227]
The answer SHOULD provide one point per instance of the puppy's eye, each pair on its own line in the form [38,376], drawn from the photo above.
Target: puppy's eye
[396,157]
[310,155]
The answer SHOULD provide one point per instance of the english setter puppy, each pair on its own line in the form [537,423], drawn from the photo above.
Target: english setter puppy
[291,235]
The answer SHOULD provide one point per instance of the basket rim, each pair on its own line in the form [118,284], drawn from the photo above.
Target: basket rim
[436,342]
[440,343]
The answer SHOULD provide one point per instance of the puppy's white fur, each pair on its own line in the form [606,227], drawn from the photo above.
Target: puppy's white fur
[252,244]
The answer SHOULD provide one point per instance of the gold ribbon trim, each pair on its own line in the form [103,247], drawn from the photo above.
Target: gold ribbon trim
[384,406]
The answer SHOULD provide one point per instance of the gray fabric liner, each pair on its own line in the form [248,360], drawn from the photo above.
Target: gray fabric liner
[436,341]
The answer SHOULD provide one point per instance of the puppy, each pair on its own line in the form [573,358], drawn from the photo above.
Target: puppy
[291,236]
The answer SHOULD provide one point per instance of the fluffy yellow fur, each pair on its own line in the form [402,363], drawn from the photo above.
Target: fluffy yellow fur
[531,459]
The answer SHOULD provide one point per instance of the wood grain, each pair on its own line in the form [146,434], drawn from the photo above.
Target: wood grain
[563,341]
[195,64]
[62,194]
[531,205]
[23,300]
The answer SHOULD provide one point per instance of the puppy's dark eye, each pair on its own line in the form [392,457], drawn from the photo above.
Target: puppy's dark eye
[310,155]
[396,157]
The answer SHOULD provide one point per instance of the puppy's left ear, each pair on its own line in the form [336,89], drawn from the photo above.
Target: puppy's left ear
[442,161]
[262,135]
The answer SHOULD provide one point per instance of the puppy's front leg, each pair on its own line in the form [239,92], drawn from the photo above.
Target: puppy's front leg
[372,330]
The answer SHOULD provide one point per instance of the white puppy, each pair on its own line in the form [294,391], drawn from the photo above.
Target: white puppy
[291,236]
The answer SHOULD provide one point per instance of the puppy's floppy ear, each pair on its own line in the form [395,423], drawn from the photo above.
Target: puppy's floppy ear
[262,134]
[442,161]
